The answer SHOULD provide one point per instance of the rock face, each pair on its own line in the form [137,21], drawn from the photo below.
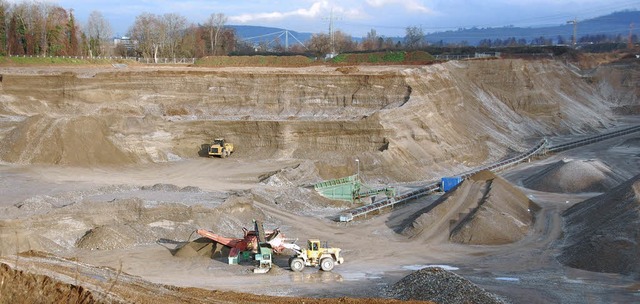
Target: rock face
[395,117]
[440,286]
[602,232]
[483,210]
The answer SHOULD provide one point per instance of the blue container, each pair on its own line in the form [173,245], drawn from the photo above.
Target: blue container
[448,183]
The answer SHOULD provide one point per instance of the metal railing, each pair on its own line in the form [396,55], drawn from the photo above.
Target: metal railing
[138,59]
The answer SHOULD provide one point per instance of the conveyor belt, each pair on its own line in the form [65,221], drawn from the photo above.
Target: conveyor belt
[541,148]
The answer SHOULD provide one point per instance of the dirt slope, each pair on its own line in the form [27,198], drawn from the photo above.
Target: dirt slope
[394,117]
[602,232]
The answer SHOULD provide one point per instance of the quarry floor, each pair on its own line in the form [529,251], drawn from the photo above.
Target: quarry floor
[376,256]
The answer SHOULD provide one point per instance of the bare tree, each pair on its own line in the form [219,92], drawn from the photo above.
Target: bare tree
[98,32]
[414,38]
[147,30]
[369,43]
[215,23]
[319,44]
[173,27]
[343,42]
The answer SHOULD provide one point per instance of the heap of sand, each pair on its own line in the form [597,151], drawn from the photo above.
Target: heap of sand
[485,209]
[441,286]
[574,176]
[82,141]
[201,247]
[601,233]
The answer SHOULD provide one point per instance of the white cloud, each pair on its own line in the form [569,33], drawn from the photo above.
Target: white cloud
[410,5]
[314,11]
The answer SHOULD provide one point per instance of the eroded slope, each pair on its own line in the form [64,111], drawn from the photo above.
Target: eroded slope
[411,122]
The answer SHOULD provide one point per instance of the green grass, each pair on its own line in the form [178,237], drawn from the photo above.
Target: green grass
[389,57]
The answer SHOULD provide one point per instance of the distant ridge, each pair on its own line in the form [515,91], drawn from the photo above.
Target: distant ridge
[609,25]
[613,24]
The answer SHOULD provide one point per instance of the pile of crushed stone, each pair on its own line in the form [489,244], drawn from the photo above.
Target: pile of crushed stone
[440,286]
[484,210]
[601,233]
[574,176]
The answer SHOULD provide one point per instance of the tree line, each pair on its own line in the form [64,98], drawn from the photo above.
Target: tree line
[46,29]
[43,28]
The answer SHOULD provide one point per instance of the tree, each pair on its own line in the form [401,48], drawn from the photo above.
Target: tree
[15,40]
[560,40]
[57,40]
[98,32]
[388,43]
[319,44]
[147,31]
[343,42]
[72,35]
[26,27]
[485,42]
[414,38]
[4,12]
[215,23]
[172,29]
[370,42]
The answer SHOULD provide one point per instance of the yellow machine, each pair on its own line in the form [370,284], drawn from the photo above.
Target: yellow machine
[315,255]
[220,148]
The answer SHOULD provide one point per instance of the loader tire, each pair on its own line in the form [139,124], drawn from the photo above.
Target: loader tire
[327,264]
[296,264]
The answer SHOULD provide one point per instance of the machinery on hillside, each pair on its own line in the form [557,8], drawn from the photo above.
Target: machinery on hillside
[220,148]
[315,255]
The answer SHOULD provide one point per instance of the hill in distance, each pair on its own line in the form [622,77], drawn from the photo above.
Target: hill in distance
[609,25]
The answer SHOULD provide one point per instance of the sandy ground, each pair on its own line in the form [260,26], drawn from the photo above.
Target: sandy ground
[376,254]
[126,189]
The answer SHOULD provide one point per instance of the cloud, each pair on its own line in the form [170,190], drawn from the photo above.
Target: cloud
[314,11]
[410,5]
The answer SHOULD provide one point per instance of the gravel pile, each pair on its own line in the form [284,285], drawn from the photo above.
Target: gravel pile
[441,286]
[601,233]
[575,176]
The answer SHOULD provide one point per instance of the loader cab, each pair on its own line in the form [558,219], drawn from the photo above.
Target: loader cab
[313,248]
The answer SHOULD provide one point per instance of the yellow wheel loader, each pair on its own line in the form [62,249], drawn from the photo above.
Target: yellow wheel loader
[220,148]
[315,255]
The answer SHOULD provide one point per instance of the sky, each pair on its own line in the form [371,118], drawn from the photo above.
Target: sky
[389,18]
